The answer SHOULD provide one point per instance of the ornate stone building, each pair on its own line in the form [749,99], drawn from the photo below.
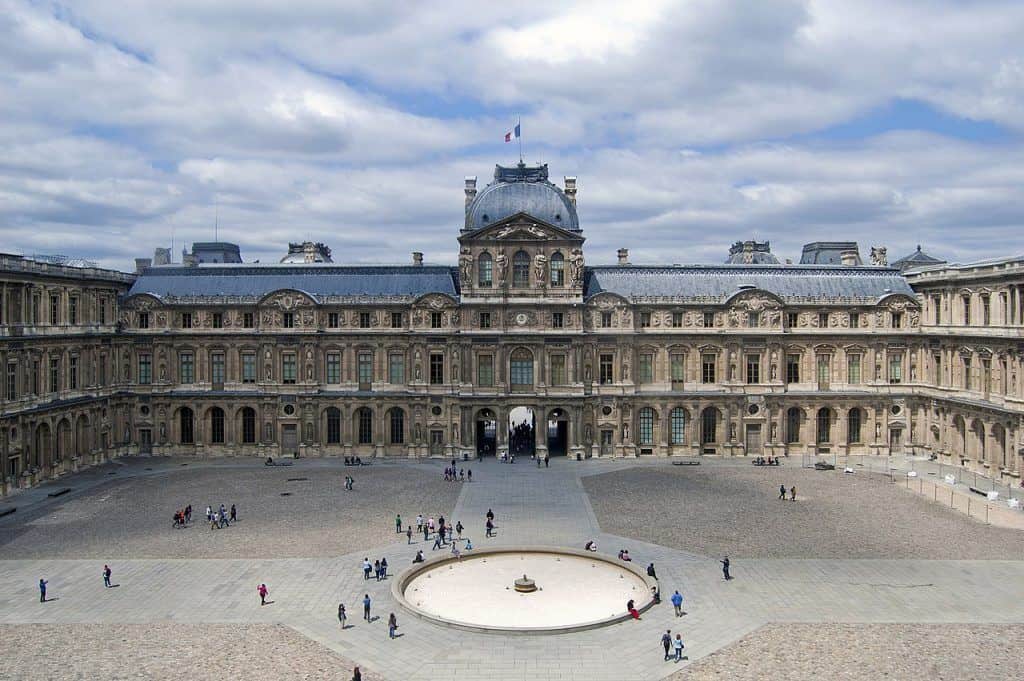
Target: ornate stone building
[519,347]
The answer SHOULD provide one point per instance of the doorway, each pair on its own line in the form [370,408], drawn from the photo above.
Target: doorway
[753,439]
[521,439]
[558,433]
[436,442]
[145,441]
[290,439]
[895,440]
[486,433]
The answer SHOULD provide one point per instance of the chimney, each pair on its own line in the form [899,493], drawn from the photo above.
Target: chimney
[848,258]
[417,258]
[141,264]
[623,256]
[470,189]
[570,189]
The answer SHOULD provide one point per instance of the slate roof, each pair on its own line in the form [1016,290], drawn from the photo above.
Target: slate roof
[521,189]
[246,283]
[715,284]
[827,252]
[916,259]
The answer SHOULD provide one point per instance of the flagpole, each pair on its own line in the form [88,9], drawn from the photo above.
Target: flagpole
[519,124]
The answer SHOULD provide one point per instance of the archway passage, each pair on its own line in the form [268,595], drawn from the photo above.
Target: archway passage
[558,433]
[521,439]
[486,433]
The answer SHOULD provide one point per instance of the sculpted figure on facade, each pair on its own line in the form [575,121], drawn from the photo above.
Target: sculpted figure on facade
[878,256]
[540,268]
[501,267]
[576,267]
[466,266]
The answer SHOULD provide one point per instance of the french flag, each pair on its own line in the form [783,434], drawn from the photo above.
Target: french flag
[512,134]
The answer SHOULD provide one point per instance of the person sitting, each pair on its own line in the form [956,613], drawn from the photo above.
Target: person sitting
[469,545]
[270,461]
[624,555]
[359,462]
[656,593]
[348,462]
[631,609]
[650,571]
[418,558]
[590,546]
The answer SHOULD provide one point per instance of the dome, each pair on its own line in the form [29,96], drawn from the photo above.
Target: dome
[522,189]
[751,253]
[307,252]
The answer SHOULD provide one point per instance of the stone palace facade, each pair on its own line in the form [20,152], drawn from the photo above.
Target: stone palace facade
[218,357]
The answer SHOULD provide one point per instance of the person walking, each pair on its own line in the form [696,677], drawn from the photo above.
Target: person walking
[234,513]
[376,570]
[366,607]
[490,528]
[106,576]
[469,475]
[356,676]
[408,535]
[725,568]
[792,493]
[398,524]
[42,590]
[383,568]
[392,625]
[547,460]
[342,615]
[677,603]
[431,525]
[188,513]
[459,528]
[419,523]
[666,643]
[437,542]
[782,492]
[366,568]
[678,645]
[263,592]
[490,514]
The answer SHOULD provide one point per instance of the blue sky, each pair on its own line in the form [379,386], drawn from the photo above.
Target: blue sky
[690,124]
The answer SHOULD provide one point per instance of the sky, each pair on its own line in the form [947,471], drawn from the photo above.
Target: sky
[690,124]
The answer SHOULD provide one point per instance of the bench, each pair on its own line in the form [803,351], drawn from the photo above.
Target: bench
[59,492]
[7,511]
[686,463]
[981,492]
[278,463]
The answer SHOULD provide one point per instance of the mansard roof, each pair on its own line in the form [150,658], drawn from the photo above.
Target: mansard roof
[324,283]
[716,284]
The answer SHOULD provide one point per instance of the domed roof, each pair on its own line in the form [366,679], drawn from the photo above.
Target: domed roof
[751,253]
[522,189]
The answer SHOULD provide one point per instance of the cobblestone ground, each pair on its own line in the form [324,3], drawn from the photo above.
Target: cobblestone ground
[255,652]
[132,517]
[734,510]
[951,652]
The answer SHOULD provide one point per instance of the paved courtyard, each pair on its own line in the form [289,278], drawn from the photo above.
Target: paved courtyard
[810,608]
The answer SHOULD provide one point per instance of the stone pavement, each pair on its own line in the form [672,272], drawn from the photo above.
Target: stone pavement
[546,506]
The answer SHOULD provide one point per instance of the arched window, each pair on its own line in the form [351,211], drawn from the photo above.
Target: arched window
[824,425]
[217,426]
[709,426]
[521,369]
[557,269]
[187,426]
[397,426]
[646,430]
[485,270]
[793,418]
[248,426]
[854,422]
[333,426]
[521,269]
[364,418]
[677,420]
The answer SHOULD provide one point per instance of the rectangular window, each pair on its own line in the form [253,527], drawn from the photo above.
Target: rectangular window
[54,375]
[288,368]
[606,320]
[558,372]
[396,369]
[707,368]
[792,320]
[102,309]
[937,302]
[521,372]
[218,320]
[332,320]
[556,320]
[485,371]
[186,320]
[895,368]
[288,320]
[54,310]
[73,310]
[143,320]
[854,320]
[35,377]
[145,369]
[365,368]
[753,368]
[485,320]
[967,373]
[248,367]
[677,364]
[937,368]
[73,373]
[247,320]
[186,366]
[753,319]
[823,320]
[853,369]
[967,311]
[897,320]
[645,368]
[645,320]
[436,368]
[646,426]
[103,370]
[12,381]
[485,271]
[333,369]
[824,371]
[986,311]
[677,320]
[986,375]
[217,369]
[435,320]
[606,373]
[364,320]
[709,320]
[792,368]
[396,320]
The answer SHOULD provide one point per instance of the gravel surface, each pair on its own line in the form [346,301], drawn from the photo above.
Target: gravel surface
[212,652]
[867,651]
[132,517]
[717,509]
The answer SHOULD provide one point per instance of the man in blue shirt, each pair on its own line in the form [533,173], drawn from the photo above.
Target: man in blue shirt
[677,602]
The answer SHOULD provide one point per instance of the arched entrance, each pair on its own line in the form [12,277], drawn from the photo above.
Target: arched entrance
[486,433]
[521,427]
[43,444]
[558,432]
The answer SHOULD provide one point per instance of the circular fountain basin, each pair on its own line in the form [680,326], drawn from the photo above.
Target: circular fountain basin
[575,590]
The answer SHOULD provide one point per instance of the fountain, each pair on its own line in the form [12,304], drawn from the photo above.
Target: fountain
[525,585]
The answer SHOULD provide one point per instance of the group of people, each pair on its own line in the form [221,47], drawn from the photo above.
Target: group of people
[367,602]
[349,482]
[782,493]
[770,461]
[221,517]
[182,517]
[453,475]
[379,569]
[353,461]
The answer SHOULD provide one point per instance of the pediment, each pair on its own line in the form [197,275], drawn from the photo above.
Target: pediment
[521,227]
